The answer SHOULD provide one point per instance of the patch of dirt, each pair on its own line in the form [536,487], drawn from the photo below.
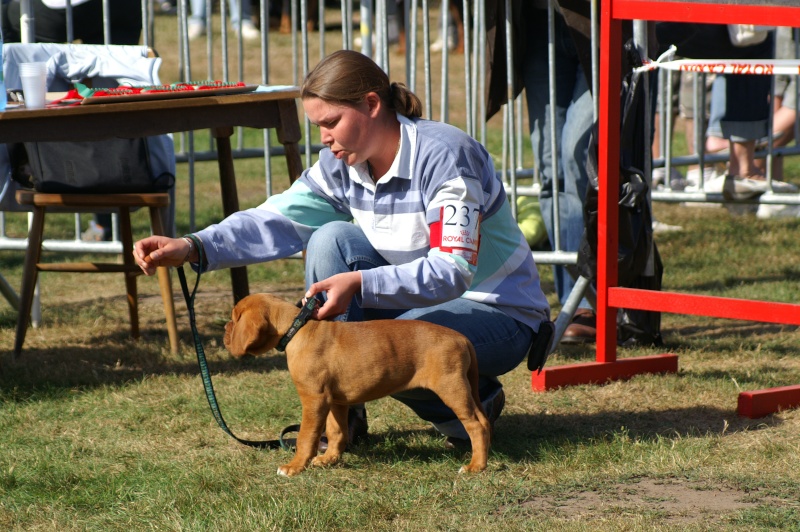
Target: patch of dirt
[679,501]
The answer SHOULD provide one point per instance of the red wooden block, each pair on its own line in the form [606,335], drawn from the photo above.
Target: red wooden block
[760,403]
[600,373]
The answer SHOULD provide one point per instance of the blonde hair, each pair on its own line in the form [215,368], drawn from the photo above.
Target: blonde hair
[345,77]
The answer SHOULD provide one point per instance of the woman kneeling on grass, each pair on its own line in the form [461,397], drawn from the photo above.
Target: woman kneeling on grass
[434,237]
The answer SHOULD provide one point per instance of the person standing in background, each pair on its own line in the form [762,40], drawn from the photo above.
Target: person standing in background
[574,118]
[197,20]
[125,18]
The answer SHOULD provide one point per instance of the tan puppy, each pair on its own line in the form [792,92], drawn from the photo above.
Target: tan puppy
[336,364]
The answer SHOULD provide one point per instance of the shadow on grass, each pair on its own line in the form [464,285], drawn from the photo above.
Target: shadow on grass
[526,437]
[725,330]
[117,360]
[89,357]
[787,274]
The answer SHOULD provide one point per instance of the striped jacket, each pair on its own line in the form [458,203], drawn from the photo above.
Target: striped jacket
[440,218]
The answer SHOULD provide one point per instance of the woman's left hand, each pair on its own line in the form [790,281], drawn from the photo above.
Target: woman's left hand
[340,290]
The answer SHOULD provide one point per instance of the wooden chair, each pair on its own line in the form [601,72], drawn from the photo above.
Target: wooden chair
[41,203]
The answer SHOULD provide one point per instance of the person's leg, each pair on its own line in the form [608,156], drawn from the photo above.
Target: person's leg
[742,159]
[51,25]
[9,19]
[197,18]
[234,12]
[125,19]
[743,124]
[676,82]
[571,91]
[500,342]
[574,155]
[249,30]
[783,126]
[87,22]
[126,22]
[339,247]
[783,123]
[715,142]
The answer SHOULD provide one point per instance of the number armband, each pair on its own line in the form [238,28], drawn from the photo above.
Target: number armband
[458,230]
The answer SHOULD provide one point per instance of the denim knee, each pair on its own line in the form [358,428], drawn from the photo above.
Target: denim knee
[325,239]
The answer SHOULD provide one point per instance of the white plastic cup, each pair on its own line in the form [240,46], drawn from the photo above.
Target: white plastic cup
[34,84]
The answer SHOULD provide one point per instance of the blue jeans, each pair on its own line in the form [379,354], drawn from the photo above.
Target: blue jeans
[198,15]
[574,117]
[500,341]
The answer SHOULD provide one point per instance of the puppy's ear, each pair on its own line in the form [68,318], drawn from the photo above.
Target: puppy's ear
[249,334]
[240,334]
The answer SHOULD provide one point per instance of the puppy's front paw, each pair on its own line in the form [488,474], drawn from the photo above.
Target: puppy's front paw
[288,470]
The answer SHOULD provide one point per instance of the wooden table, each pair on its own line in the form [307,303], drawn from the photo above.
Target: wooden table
[221,113]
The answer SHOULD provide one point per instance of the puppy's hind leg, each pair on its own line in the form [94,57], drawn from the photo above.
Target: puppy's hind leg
[478,432]
[336,432]
[478,428]
[312,422]
[459,398]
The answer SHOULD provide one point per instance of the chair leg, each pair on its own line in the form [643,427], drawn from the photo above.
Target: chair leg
[165,285]
[126,236]
[29,275]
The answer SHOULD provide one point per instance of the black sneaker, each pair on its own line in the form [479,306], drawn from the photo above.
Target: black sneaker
[497,405]
[357,428]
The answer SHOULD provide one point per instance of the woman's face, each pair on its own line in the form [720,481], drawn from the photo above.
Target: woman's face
[345,129]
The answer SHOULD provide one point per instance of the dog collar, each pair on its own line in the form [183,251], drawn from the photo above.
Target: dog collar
[298,322]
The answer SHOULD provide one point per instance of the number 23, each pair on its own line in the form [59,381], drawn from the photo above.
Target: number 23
[461,216]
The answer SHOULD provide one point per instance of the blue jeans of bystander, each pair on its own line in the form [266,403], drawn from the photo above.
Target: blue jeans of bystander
[574,118]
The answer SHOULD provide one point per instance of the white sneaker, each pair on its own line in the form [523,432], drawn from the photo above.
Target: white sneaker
[94,233]
[714,186]
[436,46]
[249,31]
[742,188]
[693,176]
[661,227]
[782,187]
[196,31]
[676,180]
[168,8]
[358,42]
[766,211]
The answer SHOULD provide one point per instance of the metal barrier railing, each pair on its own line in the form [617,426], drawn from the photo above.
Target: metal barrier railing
[511,168]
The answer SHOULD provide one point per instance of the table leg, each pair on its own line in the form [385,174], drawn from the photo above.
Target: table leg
[230,201]
[289,135]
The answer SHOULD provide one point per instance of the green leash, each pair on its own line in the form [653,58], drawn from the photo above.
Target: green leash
[206,375]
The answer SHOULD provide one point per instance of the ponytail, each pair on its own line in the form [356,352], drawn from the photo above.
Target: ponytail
[404,101]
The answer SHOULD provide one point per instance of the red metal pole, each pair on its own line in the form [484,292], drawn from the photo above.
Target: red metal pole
[608,177]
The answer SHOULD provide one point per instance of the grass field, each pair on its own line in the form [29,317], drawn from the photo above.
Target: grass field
[100,432]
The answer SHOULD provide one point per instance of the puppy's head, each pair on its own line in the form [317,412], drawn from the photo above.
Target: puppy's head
[251,329]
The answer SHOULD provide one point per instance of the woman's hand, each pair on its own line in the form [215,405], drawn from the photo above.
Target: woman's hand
[340,290]
[152,252]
